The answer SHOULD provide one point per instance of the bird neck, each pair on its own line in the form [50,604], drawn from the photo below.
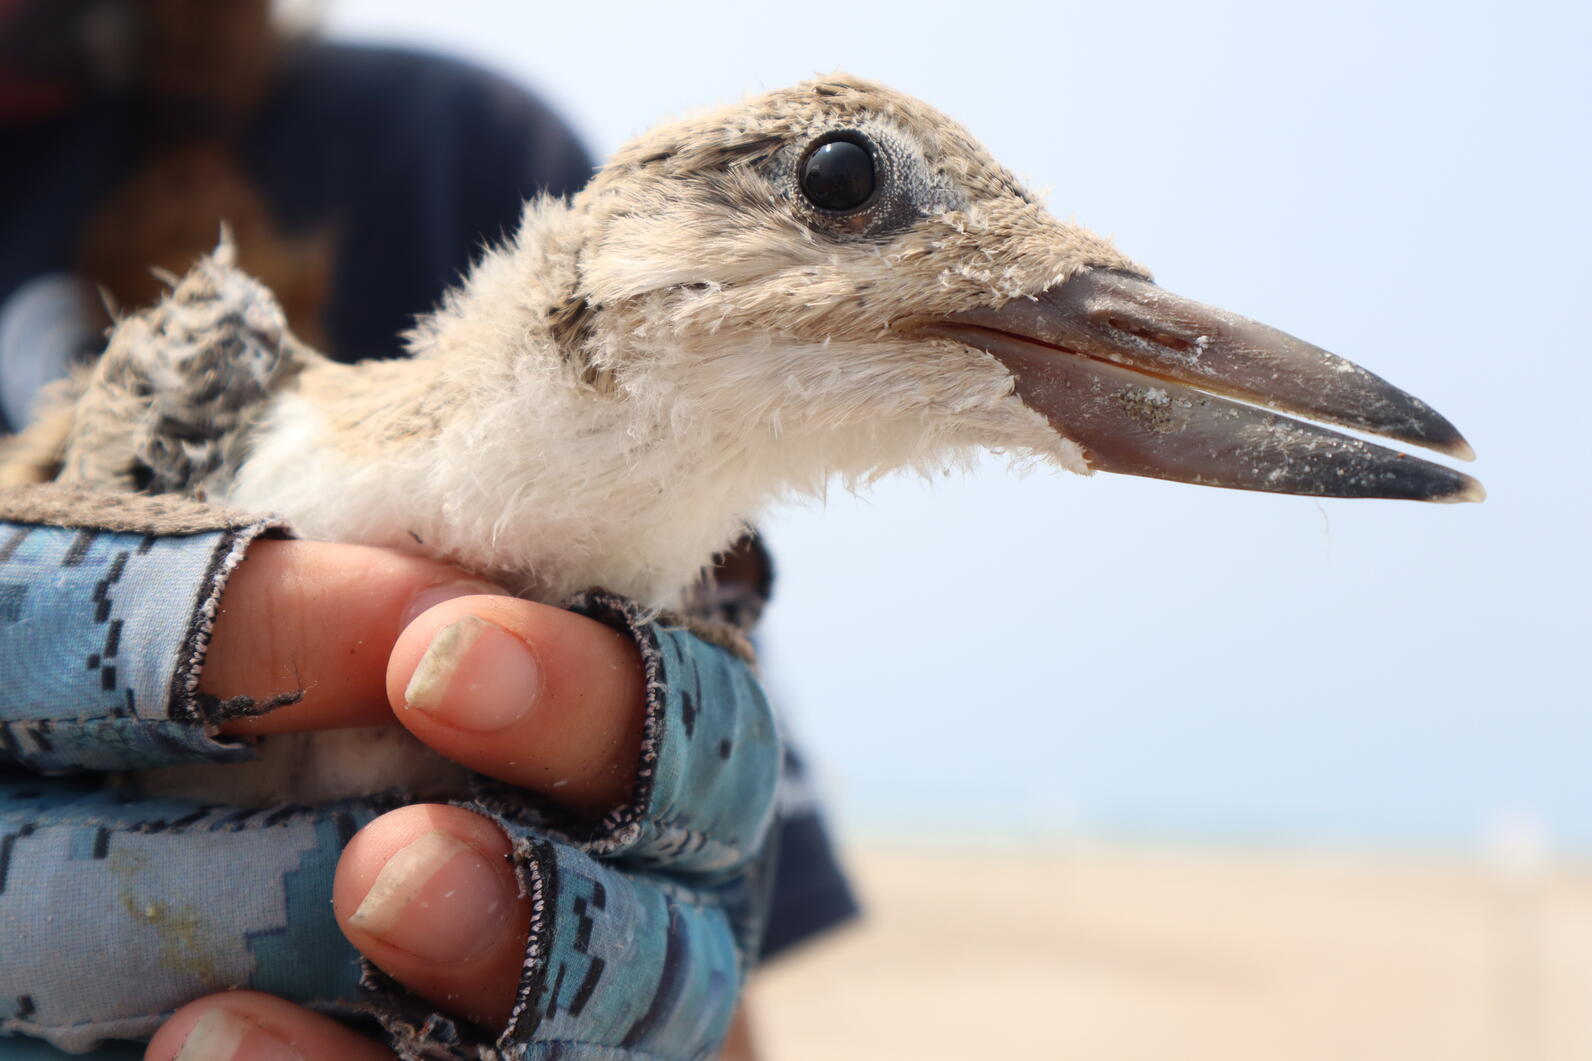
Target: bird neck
[601,448]
[560,476]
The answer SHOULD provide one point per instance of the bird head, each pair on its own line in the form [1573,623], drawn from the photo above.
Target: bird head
[838,271]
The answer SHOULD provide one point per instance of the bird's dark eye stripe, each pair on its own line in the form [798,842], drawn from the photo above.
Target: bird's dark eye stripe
[838,174]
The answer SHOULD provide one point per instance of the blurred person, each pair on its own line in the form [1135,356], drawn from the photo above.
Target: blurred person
[357,182]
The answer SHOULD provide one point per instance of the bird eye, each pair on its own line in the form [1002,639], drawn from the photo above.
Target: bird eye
[838,175]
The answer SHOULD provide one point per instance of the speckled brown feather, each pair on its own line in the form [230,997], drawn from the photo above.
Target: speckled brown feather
[170,406]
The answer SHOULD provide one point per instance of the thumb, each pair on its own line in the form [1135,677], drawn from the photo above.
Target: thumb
[320,617]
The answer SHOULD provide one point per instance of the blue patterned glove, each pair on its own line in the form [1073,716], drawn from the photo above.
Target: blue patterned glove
[115,909]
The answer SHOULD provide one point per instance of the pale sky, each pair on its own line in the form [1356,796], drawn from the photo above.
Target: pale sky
[1404,184]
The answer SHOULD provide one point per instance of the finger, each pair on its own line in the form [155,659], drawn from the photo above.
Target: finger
[249,1026]
[321,617]
[529,694]
[427,894]
[741,1043]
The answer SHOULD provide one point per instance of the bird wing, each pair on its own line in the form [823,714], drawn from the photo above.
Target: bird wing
[171,405]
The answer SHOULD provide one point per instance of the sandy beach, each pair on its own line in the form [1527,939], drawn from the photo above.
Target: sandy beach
[1119,954]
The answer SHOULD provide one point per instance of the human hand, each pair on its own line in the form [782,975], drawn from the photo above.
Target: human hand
[563,693]
[529,694]
[457,937]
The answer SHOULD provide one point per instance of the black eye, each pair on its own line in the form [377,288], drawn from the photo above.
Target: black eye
[838,176]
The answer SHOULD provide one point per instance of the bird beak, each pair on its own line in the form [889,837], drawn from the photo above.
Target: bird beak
[1134,375]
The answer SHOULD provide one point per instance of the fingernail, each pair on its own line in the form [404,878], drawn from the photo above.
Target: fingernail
[432,596]
[221,1035]
[476,676]
[437,898]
